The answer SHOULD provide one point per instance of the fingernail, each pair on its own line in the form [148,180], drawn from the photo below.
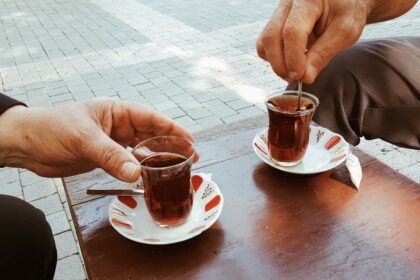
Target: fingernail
[294,76]
[311,72]
[128,169]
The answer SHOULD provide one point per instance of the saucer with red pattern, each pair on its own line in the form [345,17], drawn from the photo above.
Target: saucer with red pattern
[129,216]
[326,150]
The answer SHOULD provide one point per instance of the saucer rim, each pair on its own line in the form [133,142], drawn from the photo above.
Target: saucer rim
[311,172]
[215,219]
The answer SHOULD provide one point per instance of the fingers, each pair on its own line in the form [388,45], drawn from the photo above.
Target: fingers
[59,171]
[112,157]
[150,122]
[284,40]
[338,35]
[296,32]
[270,43]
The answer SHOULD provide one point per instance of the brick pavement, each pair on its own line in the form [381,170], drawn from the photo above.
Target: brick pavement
[193,61]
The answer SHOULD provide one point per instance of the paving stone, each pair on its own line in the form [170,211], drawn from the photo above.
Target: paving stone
[182,98]
[49,205]
[136,79]
[194,129]
[172,74]
[67,211]
[91,76]
[396,159]
[234,118]
[250,112]
[126,93]
[70,268]
[158,98]
[83,96]
[203,97]
[375,148]
[148,93]
[414,154]
[63,102]
[104,92]
[208,122]
[159,80]
[61,97]
[170,89]
[238,104]
[223,94]
[189,105]
[165,105]
[97,83]
[58,222]
[39,190]
[8,175]
[115,83]
[185,121]
[219,108]
[152,75]
[66,246]
[60,189]
[99,87]
[145,86]
[57,91]
[173,113]
[11,188]
[137,99]
[199,113]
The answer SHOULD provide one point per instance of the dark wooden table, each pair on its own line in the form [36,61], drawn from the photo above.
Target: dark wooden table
[273,226]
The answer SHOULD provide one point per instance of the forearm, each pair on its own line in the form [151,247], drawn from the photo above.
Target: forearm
[11,125]
[382,10]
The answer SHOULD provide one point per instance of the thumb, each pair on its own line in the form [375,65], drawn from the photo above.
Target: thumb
[337,37]
[113,158]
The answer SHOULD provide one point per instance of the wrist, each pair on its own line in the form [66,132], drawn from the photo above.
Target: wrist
[12,124]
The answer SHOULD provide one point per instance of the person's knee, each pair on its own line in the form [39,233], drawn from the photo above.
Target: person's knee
[28,239]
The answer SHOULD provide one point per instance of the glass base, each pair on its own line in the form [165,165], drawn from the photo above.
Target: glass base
[286,164]
[170,225]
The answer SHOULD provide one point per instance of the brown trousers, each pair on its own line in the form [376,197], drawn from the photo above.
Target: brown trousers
[372,90]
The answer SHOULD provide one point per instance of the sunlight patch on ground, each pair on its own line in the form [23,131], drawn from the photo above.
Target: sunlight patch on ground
[176,51]
[213,63]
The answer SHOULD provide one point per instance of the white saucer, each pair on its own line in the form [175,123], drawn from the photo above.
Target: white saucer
[128,215]
[326,150]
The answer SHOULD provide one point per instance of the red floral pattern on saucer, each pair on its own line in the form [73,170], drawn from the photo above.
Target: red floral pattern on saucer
[128,215]
[326,150]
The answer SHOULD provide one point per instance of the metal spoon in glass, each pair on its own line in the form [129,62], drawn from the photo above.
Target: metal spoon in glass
[299,93]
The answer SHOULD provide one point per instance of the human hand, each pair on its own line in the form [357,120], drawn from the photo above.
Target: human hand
[322,27]
[76,138]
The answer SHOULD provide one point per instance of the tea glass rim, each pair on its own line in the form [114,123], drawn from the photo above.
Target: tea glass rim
[313,98]
[187,160]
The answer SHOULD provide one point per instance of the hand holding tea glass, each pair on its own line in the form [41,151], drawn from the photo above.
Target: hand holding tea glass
[76,138]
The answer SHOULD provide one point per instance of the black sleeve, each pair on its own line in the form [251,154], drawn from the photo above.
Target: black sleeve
[6,102]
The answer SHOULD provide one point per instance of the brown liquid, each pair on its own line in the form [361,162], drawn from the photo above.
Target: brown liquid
[168,193]
[288,135]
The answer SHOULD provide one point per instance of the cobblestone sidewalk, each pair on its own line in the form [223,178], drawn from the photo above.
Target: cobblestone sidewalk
[194,61]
